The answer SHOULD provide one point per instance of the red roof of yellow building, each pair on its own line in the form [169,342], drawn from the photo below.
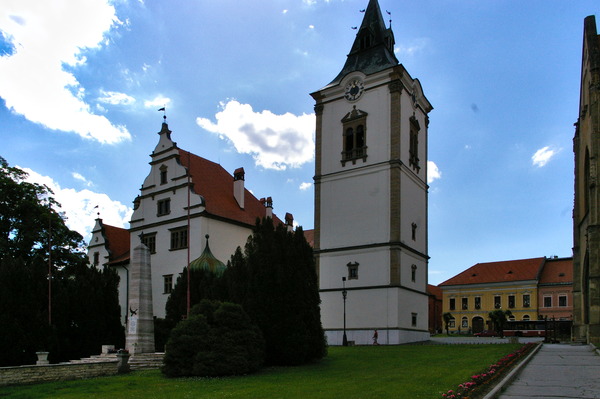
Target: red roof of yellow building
[499,272]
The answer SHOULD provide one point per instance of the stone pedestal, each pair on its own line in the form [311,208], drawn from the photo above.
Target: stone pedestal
[140,323]
[123,363]
[42,358]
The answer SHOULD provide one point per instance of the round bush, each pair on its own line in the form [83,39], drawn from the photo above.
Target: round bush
[218,339]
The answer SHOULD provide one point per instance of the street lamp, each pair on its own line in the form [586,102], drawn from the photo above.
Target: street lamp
[344,293]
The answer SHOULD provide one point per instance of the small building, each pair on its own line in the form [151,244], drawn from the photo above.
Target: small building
[435,309]
[509,285]
[555,289]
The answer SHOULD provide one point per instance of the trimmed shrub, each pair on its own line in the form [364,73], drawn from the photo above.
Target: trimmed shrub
[218,339]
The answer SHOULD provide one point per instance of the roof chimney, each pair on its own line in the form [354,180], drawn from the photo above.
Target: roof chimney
[268,203]
[238,186]
[289,222]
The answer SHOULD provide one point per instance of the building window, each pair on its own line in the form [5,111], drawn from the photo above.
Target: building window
[96,258]
[562,301]
[497,302]
[149,240]
[414,319]
[452,323]
[354,136]
[525,317]
[547,301]
[526,301]
[179,238]
[452,303]
[413,273]
[168,283]
[465,303]
[352,271]
[414,231]
[511,301]
[163,174]
[163,207]
[478,302]
[413,149]
[464,323]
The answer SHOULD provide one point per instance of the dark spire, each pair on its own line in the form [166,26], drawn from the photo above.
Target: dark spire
[373,48]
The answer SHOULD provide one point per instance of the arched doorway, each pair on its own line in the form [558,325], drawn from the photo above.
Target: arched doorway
[477,324]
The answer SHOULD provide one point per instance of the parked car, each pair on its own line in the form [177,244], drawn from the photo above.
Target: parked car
[486,333]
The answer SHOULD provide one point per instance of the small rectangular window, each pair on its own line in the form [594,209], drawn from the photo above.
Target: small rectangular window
[497,302]
[414,319]
[352,271]
[465,303]
[452,303]
[477,302]
[452,323]
[96,258]
[547,301]
[562,300]
[526,301]
[179,238]
[511,301]
[149,240]
[413,273]
[163,207]
[168,283]
[464,323]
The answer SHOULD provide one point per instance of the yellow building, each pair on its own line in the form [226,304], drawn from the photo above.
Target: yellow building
[510,285]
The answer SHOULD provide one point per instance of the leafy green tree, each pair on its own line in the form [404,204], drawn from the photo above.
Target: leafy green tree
[275,280]
[447,317]
[34,239]
[499,318]
[218,339]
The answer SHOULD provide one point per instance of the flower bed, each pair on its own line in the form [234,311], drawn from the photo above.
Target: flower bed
[482,382]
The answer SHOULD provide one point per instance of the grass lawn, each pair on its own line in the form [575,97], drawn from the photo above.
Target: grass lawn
[407,371]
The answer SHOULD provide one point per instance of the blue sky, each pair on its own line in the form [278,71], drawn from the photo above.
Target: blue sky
[81,82]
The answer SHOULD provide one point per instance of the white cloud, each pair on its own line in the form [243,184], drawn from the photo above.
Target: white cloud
[433,172]
[543,156]
[115,98]
[158,101]
[80,177]
[47,36]
[79,206]
[305,186]
[274,141]
[412,48]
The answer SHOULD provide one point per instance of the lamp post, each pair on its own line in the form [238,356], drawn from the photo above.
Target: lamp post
[344,293]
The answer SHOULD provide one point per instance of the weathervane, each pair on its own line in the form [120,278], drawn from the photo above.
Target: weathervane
[390,14]
[163,109]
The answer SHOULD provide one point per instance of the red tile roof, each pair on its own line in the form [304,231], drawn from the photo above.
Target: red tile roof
[117,241]
[557,271]
[434,290]
[310,237]
[215,184]
[498,272]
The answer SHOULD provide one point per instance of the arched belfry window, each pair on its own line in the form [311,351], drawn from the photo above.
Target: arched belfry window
[355,136]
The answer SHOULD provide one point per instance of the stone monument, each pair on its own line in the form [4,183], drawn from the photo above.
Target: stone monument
[140,323]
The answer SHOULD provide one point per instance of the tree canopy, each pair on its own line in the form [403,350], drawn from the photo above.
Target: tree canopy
[275,280]
[72,315]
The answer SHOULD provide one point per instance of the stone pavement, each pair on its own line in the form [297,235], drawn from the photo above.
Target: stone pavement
[558,371]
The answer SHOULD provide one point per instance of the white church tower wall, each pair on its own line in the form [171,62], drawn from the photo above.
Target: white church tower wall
[371,194]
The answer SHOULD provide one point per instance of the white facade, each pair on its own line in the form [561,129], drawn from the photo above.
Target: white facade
[208,200]
[371,197]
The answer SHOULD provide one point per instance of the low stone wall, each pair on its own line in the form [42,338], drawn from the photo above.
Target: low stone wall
[56,372]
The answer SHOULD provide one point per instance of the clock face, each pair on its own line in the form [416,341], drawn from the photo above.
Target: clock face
[354,89]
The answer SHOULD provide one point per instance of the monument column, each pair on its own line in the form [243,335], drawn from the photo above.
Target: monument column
[140,325]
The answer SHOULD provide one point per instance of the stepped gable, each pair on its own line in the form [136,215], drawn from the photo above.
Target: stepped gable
[215,185]
[498,272]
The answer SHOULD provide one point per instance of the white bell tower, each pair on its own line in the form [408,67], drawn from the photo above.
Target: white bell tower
[371,194]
